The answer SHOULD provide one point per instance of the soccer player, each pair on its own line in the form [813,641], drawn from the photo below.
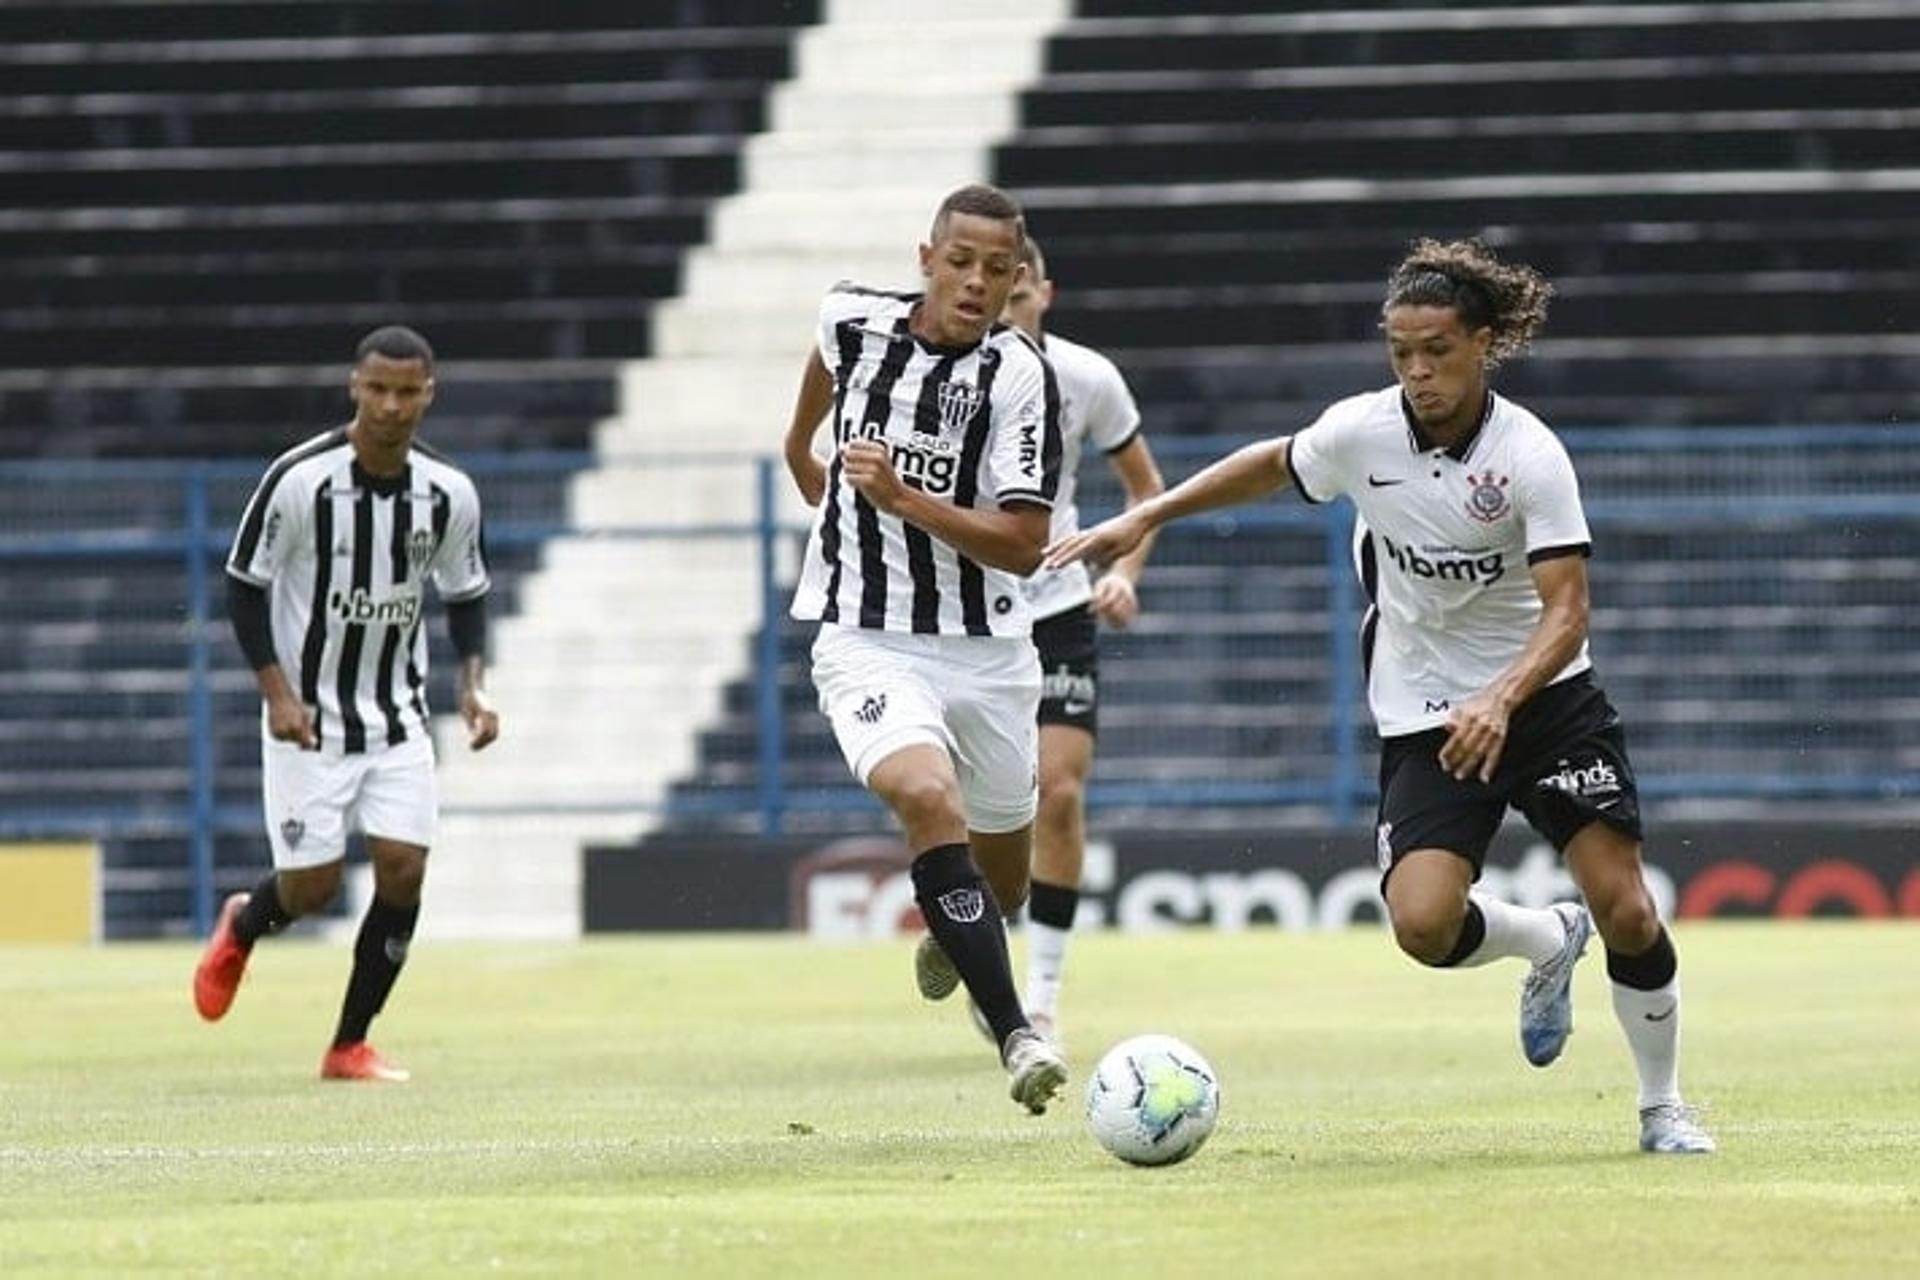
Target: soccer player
[933,507]
[326,589]
[1096,408]
[1473,547]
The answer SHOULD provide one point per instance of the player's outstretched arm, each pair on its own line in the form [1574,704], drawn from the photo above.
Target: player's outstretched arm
[810,405]
[1242,476]
[1116,597]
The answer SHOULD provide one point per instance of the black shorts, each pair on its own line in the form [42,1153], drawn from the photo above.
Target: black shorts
[1565,766]
[1069,668]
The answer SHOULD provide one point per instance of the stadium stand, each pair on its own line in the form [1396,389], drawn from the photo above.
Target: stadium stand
[1722,196]
[202,205]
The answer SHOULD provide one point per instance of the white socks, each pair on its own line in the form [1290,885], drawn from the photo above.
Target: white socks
[1532,933]
[1046,961]
[1651,1020]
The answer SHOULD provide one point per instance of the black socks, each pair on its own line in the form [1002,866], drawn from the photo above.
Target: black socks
[1052,905]
[964,918]
[1651,970]
[378,953]
[263,913]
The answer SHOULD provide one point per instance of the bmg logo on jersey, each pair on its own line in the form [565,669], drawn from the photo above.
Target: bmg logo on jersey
[1485,568]
[401,609]
[923,461]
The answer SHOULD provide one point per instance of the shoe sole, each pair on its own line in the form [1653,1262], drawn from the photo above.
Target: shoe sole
[1546,1054]
[1039,1085]
[933,972]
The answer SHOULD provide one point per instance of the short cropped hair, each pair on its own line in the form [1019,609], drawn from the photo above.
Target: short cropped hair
[1035,259]
[1508,298]
[981,201]
[395,342]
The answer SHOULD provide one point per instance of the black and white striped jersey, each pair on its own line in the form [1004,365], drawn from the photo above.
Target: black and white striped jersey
[978,427]
[345,557]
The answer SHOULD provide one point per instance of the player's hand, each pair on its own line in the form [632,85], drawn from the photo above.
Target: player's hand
[869,468]
[483,722]
[1116,601]
[1102,544]
[291,720]
[1476,736]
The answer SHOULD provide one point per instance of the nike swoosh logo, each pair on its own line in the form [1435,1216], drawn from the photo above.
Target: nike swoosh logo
[1660,1017]
[1378,483]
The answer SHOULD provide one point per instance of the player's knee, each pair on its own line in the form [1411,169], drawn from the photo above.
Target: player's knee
[1628,922]
[1061,795]
[1426,934]
[927,800]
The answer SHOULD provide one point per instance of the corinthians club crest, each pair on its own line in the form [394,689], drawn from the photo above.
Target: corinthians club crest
[1487,496]
[959,401]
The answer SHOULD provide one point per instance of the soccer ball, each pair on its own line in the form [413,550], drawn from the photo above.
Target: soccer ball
[1152,1100]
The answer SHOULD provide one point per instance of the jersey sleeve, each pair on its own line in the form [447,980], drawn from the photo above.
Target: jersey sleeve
[845,301]
[460,564]
[1024,452]
[1549,504]
[1113,419]
[1316,457]
[273,524]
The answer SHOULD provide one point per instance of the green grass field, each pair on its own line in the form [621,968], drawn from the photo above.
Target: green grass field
[767,1106]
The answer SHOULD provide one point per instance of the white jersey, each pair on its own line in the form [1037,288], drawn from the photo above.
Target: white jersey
[1095,408]
[1444,544]
[345,558]
[978,427]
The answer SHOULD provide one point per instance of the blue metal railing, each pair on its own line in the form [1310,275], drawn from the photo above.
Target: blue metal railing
[198,541]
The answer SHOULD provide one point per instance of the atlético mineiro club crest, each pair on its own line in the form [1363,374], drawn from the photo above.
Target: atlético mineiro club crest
[419,549]
[959,401]
[1487,496]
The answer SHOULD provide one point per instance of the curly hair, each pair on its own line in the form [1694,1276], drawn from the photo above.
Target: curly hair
[1508,298]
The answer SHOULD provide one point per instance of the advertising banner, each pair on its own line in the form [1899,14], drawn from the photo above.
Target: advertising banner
[852,887]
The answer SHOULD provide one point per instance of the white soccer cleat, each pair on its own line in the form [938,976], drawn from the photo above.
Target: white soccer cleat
[1546,997]
[1673,1129]
[1039,1072]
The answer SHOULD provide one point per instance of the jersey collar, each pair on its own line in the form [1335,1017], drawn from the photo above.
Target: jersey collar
[1420,442]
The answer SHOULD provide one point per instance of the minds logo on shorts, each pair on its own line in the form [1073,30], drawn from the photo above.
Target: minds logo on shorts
[1589,781]
[401,609]
[1485,568]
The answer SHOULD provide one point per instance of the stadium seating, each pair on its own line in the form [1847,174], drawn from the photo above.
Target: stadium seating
[202,205]
[1723,201]
[206,203]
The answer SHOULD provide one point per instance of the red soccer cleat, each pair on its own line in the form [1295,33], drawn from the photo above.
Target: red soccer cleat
[222,964]
[360,1061]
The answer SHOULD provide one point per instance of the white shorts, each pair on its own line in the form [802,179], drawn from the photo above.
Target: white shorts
[973,696]
[313,798]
